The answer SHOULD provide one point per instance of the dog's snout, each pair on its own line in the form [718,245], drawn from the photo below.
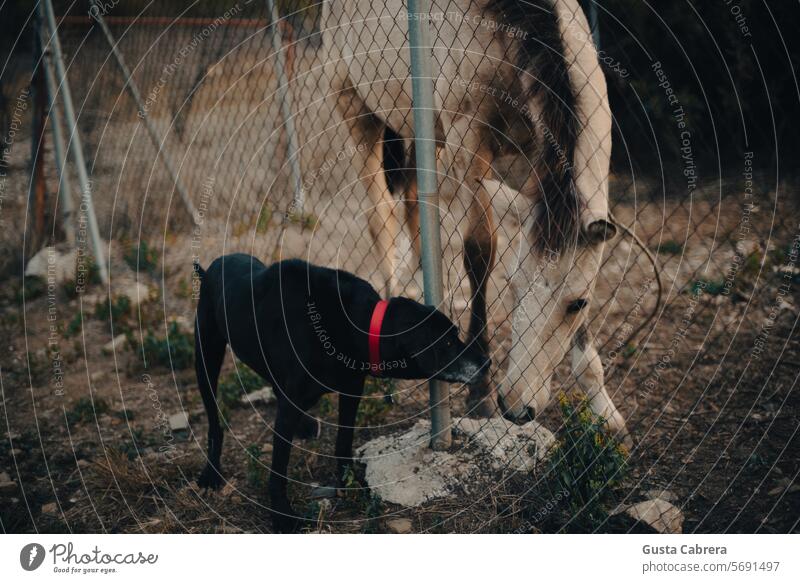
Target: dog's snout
[576,306]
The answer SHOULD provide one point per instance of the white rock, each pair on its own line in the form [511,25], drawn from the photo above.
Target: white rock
[399,525]
[402,469]
[518,447]
[263,395]
[179,421]
[659,514]
[50,262]
[114,345]
[137,293]
[746,247]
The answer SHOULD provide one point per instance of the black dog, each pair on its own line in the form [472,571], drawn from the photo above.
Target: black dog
[310,330]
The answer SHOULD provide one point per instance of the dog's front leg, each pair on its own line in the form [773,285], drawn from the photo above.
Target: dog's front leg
[284,518]
[348,407]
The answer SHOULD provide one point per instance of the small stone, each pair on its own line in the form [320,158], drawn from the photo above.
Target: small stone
[114,345]
[659,514]
[266,448]
[320,492]
[16,452]
[179,421]
[399,525]
[263,395]
[663,494]
[84,463]
[50,508]
[100,374]
[137,293]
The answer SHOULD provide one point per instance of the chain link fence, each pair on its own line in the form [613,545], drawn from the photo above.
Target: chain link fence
[666,299]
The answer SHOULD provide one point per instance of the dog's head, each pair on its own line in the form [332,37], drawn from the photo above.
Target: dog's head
[419,342]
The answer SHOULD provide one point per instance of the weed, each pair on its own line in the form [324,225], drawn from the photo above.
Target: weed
[587,463]
[74,326]
[33,287]
[670,248]
[86,409]
[175,350]
[141,257]
[712,287]
[232,386]
[376,403]
[113,309]
[264,219]
[256,472]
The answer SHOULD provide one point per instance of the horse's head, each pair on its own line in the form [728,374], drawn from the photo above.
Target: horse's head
[563,205]
[552,293]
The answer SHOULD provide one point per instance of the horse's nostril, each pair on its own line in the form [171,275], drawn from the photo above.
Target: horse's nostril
[576,306]
[530,413]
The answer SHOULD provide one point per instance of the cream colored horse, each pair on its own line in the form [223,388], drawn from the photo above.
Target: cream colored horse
[511,77]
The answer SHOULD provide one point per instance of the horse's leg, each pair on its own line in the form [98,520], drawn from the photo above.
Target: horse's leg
[367,131]
[480,244]
[588,370]
[411,205]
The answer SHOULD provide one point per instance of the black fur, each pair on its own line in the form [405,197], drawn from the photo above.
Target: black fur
[305,330]
[540,52]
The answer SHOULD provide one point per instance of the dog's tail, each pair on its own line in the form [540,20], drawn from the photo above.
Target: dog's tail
[199,271]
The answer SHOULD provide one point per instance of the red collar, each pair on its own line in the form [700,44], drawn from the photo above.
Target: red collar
[375,336]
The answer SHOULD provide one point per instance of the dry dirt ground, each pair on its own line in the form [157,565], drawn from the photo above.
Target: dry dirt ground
[713,405]
[715,423]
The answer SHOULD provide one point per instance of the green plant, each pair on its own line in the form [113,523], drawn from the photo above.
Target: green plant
[376,401]
[32,287]
[74,326]
[86,409]
[374,511]
[712,287]
[256,472]
[176,349]
[141,257]
[233,385]
[264,219]
[586,464]
[670,248]
[113,309]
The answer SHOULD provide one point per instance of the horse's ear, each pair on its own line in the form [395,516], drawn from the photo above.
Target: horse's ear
[506,201]
[598,231]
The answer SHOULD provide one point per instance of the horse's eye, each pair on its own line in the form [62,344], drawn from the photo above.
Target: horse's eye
[576,306]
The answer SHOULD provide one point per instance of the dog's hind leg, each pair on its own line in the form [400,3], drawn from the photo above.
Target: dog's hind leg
[288,415]
[209,351]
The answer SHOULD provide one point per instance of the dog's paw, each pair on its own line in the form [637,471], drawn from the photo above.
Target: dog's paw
[210,478]
[285,521]
[309,428]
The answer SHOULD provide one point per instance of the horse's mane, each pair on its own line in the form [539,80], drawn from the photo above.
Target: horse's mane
[540,52]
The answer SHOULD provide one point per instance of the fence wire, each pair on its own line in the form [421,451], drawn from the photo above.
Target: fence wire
[208,79]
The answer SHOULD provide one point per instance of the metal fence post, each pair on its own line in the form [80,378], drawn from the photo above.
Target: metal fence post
[427,187]
[75,144]
[298,202]
[59,149]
